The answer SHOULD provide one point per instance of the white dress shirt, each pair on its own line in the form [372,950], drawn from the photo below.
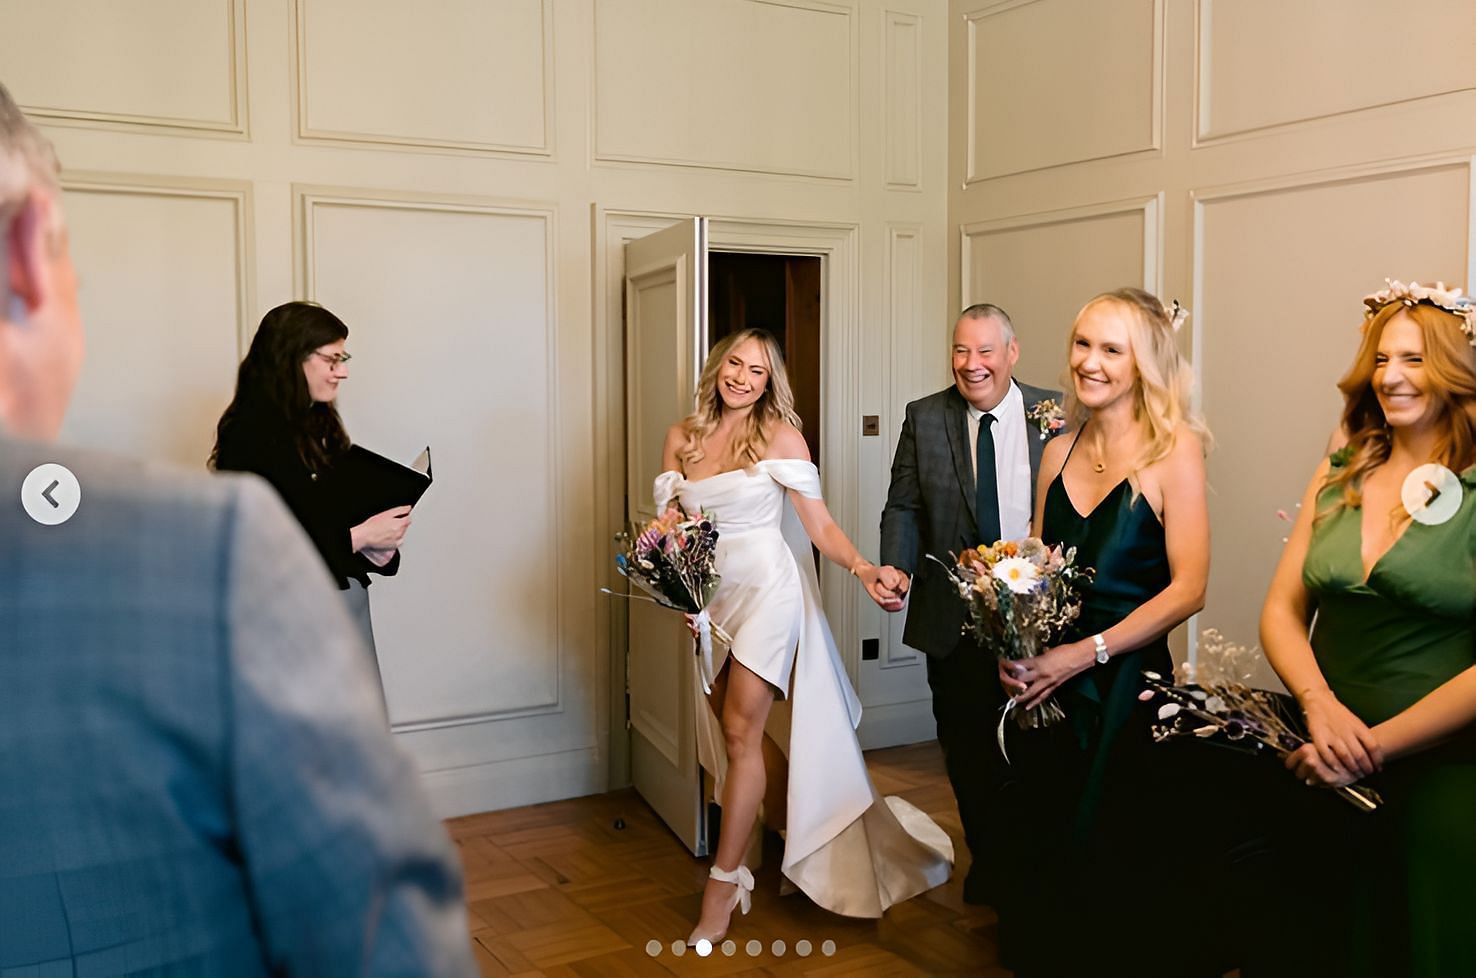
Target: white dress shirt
[1011,461]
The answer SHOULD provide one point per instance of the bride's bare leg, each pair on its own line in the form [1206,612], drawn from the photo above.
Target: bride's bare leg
[745,707]
[776,765]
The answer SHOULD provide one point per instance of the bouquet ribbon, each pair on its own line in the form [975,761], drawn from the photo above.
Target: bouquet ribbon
[999,732]
[703,621]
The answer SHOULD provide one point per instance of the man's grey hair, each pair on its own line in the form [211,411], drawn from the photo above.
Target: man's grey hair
[26,157]
[988,310]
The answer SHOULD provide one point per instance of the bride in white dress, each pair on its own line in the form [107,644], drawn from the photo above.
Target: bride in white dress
[741,456]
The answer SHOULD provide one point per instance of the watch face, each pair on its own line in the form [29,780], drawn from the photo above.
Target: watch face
[1102,657]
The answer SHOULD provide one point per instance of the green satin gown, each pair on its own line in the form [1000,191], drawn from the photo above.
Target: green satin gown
[1383,643]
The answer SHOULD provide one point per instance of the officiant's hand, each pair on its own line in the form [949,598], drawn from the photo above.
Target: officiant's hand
[1343,742]
[382,531]
[1031,681]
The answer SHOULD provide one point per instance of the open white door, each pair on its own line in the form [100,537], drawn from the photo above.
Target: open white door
[665,341]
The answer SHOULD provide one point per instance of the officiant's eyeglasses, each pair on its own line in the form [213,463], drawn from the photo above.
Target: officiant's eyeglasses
[333,359]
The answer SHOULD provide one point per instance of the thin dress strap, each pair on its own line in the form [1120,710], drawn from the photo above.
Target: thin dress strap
[1070,450]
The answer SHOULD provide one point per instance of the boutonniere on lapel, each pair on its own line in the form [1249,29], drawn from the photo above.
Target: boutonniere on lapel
[1047,417]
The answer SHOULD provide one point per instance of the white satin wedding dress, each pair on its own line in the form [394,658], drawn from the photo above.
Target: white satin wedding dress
[851,851]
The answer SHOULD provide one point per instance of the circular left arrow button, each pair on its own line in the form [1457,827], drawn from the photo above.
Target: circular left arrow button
[51,494]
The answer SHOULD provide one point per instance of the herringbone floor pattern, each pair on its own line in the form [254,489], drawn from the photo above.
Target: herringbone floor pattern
[559,890]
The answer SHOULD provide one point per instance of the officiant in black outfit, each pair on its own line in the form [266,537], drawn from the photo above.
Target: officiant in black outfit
[964,475]
[283,426]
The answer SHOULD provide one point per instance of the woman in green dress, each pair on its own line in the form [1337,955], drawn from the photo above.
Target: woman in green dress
[1384,554]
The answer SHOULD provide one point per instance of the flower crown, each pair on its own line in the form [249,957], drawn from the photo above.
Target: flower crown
[1451,300]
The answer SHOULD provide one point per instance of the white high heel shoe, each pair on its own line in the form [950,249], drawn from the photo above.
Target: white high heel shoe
[741,899]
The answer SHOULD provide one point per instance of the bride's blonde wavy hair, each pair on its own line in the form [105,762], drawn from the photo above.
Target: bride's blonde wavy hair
[774,406]
[1165,381]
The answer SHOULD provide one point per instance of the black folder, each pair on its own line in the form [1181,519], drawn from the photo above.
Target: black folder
[367,483]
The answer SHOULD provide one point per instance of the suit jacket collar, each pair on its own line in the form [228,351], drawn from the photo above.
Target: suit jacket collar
[957,426]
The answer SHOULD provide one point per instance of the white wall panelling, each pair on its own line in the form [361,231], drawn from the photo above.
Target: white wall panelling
[102,45]
[454,75]
[1253,57]
[485,298]
[161,367]
[903,93]
[1024,110]
[769,86]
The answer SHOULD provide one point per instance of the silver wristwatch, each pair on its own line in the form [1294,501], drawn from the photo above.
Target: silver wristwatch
[1101,646]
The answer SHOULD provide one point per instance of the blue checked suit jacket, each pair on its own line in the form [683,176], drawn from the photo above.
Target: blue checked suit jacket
[195,775]
[930,510]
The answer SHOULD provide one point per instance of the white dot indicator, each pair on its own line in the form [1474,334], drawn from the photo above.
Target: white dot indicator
[678,948]
[703,947]
[754,949]
[1431,494]
[730,948]
[803,948]
[778,948]
[653,947]
[828,948]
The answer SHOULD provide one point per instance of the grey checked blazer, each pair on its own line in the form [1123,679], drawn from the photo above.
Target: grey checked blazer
[195,776]
[930,509]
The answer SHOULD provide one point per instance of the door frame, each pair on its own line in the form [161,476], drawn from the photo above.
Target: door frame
[838,247]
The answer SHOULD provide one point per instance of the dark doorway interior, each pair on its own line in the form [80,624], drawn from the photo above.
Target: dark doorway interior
[779,293]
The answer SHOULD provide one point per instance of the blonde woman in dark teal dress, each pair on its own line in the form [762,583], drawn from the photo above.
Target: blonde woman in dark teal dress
[1125,487]
[1384,554]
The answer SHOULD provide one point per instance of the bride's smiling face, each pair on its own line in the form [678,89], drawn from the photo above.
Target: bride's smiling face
[743,376]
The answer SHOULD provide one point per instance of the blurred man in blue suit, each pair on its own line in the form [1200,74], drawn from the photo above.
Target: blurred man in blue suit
[195,777]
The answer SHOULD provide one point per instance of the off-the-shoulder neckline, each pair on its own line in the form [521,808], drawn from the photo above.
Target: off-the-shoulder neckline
[719,475]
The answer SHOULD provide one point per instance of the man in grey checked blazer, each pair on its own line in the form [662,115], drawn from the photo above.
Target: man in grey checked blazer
[195,777]
[938,489]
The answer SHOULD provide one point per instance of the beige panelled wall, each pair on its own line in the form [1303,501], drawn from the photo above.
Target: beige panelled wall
[457,179]
[1266,161]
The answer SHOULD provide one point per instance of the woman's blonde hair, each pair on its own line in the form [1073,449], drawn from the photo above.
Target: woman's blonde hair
[774,406]
[1165,381]
[1449,366]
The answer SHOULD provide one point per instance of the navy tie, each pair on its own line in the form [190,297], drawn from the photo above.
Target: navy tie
[986,486]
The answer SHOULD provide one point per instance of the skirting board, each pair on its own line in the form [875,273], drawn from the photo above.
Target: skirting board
[515,782]
[895,724]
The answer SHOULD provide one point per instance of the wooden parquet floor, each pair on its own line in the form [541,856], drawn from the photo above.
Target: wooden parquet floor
[558,890]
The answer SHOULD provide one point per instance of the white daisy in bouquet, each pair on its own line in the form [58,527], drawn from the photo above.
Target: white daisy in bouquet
[1020,596]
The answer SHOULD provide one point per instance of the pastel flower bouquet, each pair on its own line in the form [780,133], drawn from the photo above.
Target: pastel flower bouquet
[672,558]
[1020,597]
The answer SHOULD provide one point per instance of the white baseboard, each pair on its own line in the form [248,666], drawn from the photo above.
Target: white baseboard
[515,782]
[894,724]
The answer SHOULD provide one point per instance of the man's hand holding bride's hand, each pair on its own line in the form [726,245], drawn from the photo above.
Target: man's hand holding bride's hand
[886,585]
